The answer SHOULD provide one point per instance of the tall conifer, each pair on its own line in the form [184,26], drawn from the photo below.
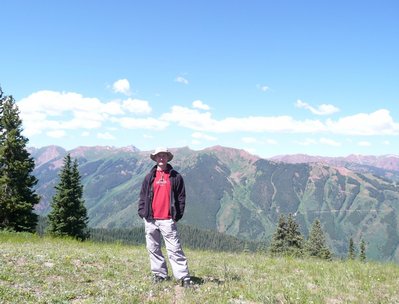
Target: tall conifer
[287,238]
[278,244]
[294,236]
[316,243]
[362,254]
[351,250]
[17,196]
[68,216]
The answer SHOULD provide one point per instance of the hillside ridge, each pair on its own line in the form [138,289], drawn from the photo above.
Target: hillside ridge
[234,192]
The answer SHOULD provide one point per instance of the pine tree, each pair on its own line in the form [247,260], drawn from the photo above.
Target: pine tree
[287,238]
[17,196]
[294,237]
[316,243]
[351,250]
[278,244]
[362,254]
[68,216]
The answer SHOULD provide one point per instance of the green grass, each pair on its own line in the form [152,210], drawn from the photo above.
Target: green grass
[47,270]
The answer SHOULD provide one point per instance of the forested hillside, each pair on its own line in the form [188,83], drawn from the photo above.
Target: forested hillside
[237,193]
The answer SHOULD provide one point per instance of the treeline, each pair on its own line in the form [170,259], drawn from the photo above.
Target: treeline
[191,237]
[287,240]
[132,236]
[212,240]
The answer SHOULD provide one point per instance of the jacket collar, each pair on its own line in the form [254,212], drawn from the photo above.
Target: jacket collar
[168,168]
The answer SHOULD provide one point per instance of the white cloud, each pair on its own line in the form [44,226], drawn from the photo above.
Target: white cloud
[329,142]
[141,123]
[249,140]
[34,123]
[181,79]
[323,141]
[88,116]
[188,118]
[271,141]
[55,103]
[122,86]
[50,110]
[55,111]
[263,88]
[306,142]
[324,109]
[112,108]
[199,135]
[377,123]
[85,134]
[202,121]
[105,135]
[364,143]
[198,104]
[56,133]
[137,106]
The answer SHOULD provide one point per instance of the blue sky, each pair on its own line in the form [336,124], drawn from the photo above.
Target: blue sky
[270,77]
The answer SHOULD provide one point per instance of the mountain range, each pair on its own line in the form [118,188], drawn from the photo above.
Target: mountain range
[240,194]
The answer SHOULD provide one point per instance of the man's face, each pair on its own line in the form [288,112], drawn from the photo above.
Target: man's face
[161,158]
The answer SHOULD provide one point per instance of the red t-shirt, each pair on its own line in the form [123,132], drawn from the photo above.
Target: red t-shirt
[161,200]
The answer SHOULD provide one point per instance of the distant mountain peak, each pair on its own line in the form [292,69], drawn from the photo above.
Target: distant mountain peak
[45,154]
[386,162]
[82,150]
[233,152]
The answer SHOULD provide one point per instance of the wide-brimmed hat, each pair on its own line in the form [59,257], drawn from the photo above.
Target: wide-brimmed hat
[161,150]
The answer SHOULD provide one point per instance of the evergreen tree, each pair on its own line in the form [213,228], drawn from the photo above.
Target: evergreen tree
[287,238]
[68,216]
[294,237]
[17,196]
[316,243]
[362,254]
[278,244]
[351,250]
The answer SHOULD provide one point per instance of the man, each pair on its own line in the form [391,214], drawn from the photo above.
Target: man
[161,205]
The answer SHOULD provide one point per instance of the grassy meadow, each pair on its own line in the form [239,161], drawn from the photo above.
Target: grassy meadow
[48,270]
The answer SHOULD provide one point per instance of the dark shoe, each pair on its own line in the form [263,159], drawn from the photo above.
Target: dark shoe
[158,279]
[186,282]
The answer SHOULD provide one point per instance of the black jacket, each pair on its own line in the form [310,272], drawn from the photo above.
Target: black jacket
[177,196]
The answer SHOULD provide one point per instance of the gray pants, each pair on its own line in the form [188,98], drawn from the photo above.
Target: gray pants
[167,228]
